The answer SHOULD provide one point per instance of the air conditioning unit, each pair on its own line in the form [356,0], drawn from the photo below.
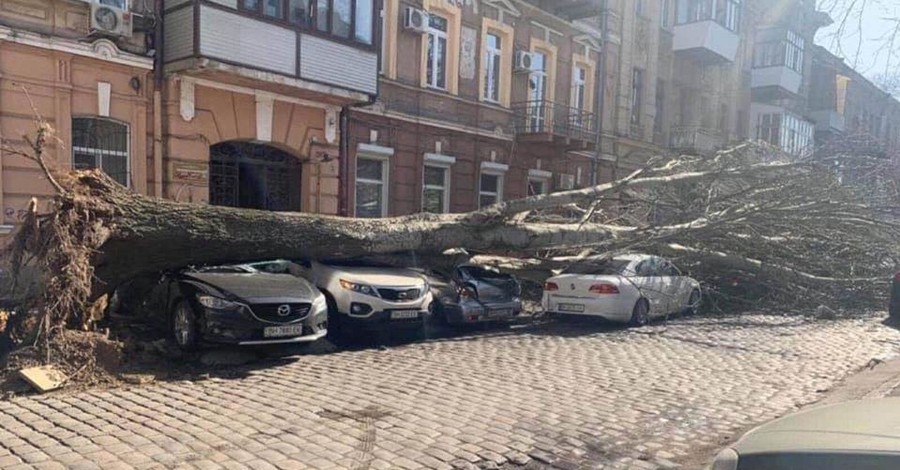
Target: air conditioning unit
[524,61]
[416,20]
[110,20]
[565,182]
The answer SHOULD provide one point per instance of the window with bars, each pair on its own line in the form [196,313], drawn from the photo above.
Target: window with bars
[101,143]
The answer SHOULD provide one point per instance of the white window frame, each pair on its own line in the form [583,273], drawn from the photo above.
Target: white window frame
[579,91]
[382,154]
[492,169]
[436,35]
[444,162]
[492,56]
[537,96]
[541,176]
[111,4]
[99,153]
[793,51]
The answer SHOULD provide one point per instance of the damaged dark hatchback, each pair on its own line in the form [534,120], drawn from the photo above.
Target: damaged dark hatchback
[237,304]
[475,294]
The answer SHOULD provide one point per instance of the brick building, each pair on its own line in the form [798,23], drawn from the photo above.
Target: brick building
[231,102]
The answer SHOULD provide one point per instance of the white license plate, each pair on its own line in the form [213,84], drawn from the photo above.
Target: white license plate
[404,314]
[571,308]
[501,312]
[279,331]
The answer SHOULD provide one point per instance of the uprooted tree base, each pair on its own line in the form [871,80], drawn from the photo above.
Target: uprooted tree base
[746,216]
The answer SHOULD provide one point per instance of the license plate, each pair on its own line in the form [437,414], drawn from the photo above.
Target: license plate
[571,308]
[501,312]
[404,314]
[279,331]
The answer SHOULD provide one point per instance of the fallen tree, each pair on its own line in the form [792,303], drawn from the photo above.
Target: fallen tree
[747,213]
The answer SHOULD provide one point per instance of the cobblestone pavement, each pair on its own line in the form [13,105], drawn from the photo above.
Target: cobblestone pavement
[568,395]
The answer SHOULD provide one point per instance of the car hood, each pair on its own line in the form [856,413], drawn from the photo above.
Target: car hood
[865,425]
[254,286]
[379,276]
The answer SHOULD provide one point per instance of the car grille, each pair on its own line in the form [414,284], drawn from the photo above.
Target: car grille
[399,295]
[275,312]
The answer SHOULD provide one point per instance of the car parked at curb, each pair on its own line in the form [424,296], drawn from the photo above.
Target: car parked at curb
[238,304]
[474,294]
[863,434]
[628,288]
[894,305]
[365,296]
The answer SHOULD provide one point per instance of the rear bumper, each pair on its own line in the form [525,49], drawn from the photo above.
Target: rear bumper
[613,307]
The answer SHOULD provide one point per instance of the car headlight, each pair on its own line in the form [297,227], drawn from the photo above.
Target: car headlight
[727,459]
[361,288]
[319,304]
[216,303]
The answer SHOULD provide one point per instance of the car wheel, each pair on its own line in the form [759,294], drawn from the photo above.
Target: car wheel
[184,326]
[693,305]
[334,317]
[640,315]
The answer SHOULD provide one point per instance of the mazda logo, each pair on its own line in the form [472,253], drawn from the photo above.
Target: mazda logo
[401,295]
[284,310]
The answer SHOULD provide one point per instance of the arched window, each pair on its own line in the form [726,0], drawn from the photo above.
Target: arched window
[101,143]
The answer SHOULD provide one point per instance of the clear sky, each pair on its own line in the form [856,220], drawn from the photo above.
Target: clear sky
[865,40]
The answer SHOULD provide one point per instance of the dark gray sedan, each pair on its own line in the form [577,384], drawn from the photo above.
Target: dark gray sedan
[474,294]
[856,435]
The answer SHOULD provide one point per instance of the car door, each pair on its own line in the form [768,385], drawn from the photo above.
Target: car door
[673,285]
[650,284]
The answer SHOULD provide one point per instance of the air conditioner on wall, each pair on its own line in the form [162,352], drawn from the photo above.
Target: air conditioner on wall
[565,182]
[524,61]
[110,18]
[415,20]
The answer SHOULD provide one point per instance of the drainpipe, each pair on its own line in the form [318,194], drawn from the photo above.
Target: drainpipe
[158,90]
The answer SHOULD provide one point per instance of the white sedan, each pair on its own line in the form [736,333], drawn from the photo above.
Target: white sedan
[628,288]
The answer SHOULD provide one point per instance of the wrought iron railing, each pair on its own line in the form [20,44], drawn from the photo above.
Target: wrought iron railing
[547,117]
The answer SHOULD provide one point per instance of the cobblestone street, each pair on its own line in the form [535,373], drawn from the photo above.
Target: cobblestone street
[560,394]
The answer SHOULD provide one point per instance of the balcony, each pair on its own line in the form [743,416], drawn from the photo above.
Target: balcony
[705,41]
[546,121]
[698,140]
[209,40]
[828,121]
[779,78]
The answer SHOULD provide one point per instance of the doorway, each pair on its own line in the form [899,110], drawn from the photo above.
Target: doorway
[253,176]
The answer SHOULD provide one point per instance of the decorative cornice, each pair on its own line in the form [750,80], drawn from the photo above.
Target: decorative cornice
[101,49]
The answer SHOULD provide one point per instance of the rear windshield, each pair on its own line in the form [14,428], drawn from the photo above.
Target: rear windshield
[482,273]
[599,268]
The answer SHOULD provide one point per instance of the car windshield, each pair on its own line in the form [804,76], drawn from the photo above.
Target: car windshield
[482,273]
[227,269]
[611,267]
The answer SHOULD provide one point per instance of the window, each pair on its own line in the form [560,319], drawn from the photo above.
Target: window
[793,54]
[436,74]
[101,143]
[637,93]
[492,60]
[120,4]
[664,13]
[768,54]
[298,13]
[659,119]
[371,187]
[435,197]
[363,21]
[786,131]
[490,190]
[538,186]
[579,88]
[273,8]
[537,84]
[732,18]
[348,19]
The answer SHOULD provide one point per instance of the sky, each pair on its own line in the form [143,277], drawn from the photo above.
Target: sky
[865,40]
